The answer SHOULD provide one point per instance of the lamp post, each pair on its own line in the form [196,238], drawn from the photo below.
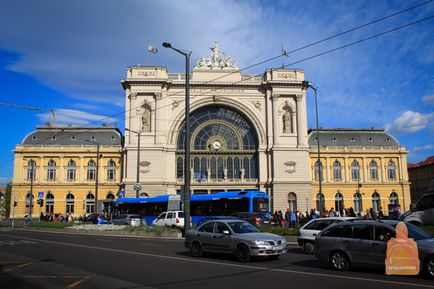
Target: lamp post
[306,85]
[97,174]
[187,173]
[31,188]
[137,186]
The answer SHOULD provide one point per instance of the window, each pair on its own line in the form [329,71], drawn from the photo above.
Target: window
[111,170]
[370,139]
[180,167]
[73,138]
[110,196]
[70,171]
[387,140]
[339,202]
[318,171]
[51,170]
[91,170]
[357,197]
[355,171]
[92,138]
[376,201]
[49,203]
[53,138]
[373,171]
[391,171]
[352,139]
[207,228]
[318,224]
[31,170]
[113,138]
[393,199]
[337,171]
[362,231]
[292,202]
[341,231]
[90,203]
[34,137]
[382,233]
[70,203]
[334,140]
[220,227]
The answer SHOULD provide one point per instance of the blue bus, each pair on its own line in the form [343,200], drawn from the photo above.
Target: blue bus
[218,204]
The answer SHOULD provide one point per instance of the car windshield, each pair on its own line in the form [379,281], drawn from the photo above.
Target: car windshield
[415,232]
[135,217]
[243,227]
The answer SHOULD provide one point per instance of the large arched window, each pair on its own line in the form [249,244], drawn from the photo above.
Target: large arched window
[111,170]
[391,171]
[339,202]
[337,176]
[49,203]
[318,171]
[31,170]
[70,203]
[90,203]
[51,170]
[355,171]
[292,202]
[91,170]
[70,171]
[373,171]
[394,199]
[358,204]
[376,201]
[224,143]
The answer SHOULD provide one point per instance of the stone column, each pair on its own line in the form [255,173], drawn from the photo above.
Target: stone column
[275,123]
[301,119]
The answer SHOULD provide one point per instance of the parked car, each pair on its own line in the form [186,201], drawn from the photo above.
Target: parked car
[210,218]
[254,218]
[128,219]
[364,243]
[170,218]
[309,231]
[423,212]
[234,237]
[97,218]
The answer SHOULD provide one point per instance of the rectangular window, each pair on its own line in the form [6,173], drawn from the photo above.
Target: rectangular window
[70,207]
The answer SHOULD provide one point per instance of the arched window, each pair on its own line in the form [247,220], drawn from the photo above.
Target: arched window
[339,202]
[91,170]
[70,203]
[51,170]
[337,171]
[90,203]
[196,168]
[320,202]
[373,171]
[237,168]
[358,205]
[110,196]
[220,168]
[111,170]
[49,203]
[230,168]
[213,168]
[70,171]
[180,168]
[318,171]
[355,171]
[144,195]
[246,168]
[203,168]
[394,199]
[376,201]
[31,170]
[292,202]
[29,203]
[391,171]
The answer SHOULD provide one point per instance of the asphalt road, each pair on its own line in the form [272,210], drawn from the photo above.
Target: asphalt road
[47,260]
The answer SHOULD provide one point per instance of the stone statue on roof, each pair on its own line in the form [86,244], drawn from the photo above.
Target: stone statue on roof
[217,60]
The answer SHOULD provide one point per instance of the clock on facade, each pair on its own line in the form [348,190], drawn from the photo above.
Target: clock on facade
[216,145]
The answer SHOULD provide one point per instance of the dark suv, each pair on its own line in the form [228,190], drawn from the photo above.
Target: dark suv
[254,218]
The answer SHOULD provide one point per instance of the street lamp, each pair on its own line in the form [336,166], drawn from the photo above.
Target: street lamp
[32,175]
[137,186]
[306,85]
[187,173]
[97,174]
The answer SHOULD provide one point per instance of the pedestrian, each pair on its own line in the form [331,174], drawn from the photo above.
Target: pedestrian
[293,219]
[373,214]
[380,214]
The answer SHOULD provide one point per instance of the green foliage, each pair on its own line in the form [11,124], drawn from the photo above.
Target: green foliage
[280,230]
[5,205]
[56,225]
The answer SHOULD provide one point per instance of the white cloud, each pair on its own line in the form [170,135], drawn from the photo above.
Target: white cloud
[429,99]
[410,122]
[75,117]
[424,148]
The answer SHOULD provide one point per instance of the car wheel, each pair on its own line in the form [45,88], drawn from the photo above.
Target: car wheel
[196,249]
[308,247]
[339,261]
[429,267]
[243,254]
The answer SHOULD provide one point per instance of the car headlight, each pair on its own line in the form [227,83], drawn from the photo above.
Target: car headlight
[261,242]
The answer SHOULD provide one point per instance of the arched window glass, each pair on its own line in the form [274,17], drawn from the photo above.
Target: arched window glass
[111,170]
[110,196]
[31,170]
[358,207]
[213,167]
[51,170]
[70,171]
[91,170]
[196,168]
[49,203]
[70,203]
[373,171]
[292,202]
[29,203]
[376,201]
[220,168]
[394,199]
[90,203]
[355,171]
[203,168]
[391,171]
[318,171]
[339,203]
[320,202]
[230,168]
[246,167]
[180,168]
[237,168]
[337,171]
[253,170]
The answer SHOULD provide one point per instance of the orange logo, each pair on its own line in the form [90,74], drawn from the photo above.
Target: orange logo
[402,257]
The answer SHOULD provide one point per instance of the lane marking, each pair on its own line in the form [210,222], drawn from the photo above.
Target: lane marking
[51,276]
[16,267]
[78,282]
[232,265]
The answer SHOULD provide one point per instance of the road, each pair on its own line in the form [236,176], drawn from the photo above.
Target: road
[46,260]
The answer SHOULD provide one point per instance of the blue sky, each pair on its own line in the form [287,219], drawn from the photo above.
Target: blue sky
[69,56]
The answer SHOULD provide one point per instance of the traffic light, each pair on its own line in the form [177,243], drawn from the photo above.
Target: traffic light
[15,203]
[40,202]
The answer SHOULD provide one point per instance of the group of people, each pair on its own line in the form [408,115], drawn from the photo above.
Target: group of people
[293,218]
[57,217]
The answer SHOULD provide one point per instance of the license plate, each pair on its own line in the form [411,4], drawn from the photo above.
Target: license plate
[277,248]
[266,222]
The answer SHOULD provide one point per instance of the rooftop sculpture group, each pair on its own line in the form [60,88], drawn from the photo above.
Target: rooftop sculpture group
[217,60]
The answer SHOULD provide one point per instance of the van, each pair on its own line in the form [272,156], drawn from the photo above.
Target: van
[170,219]
[423,212]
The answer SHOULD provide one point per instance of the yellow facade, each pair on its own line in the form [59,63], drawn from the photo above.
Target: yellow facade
[376,173]
[62,180]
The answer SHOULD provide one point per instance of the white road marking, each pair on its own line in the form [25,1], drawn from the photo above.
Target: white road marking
[231,265]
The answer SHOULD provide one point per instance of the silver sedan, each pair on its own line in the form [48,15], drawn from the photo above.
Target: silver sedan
[234,237]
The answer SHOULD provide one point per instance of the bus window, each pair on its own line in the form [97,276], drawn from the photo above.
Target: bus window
[260,205]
